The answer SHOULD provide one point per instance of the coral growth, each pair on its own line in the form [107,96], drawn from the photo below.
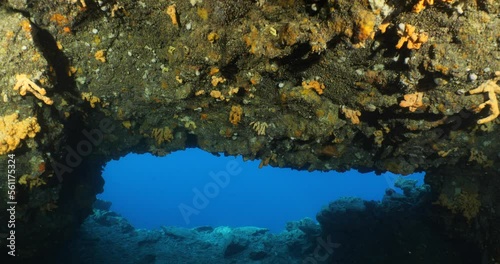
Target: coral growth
[172,13]
[31,181]
[162,134]
[188,123]
[92,99]
[259,127]
[235,114]
[351,114]
[217,95]
[314,85]
[412,101]
[422,4]
[365,23]
[212,37]
[491,88]
[378,137]
[408,35]
[12,131]
[24,84]
[217,79]
[100,55]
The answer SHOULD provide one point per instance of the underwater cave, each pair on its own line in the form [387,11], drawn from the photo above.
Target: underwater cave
[324,88]
[169,197]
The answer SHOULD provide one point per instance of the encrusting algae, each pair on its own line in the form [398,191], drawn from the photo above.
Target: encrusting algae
[466,203]
[31,181]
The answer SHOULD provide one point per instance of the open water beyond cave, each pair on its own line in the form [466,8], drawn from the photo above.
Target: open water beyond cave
[194,188]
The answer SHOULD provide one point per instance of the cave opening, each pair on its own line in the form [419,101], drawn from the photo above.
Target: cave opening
[193,188]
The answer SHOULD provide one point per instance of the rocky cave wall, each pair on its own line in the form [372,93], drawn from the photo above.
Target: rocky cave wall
[373,85]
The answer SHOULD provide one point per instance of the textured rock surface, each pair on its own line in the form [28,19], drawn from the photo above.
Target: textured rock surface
[280,81]
[106,237]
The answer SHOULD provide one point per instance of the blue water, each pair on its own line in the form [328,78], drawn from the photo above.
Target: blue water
[195,188]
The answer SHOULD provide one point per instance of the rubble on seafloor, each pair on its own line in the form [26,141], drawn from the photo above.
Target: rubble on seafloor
[399,86]
[335,239]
